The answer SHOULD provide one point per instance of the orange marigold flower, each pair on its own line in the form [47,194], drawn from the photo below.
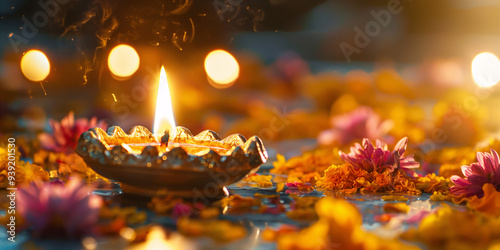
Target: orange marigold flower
[346,178]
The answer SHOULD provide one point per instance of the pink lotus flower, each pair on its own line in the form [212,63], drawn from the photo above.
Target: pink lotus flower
[486,170]
[57,210]
[363,122]
[376,157]
[64,135]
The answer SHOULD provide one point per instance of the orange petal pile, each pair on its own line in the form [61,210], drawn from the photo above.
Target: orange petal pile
[345,178]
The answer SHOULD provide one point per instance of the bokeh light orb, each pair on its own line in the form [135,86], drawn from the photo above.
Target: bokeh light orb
[35,65]
[123,61]
[222,68]
[486,70]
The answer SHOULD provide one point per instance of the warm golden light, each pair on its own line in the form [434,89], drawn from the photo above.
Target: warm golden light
[158,239]
[486,69]
[123,61]
[35,65]
[222,68]
[128,233]
[164,115]
[89,243]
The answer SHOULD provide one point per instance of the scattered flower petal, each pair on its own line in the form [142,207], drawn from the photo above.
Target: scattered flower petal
[394,198]
[396,208]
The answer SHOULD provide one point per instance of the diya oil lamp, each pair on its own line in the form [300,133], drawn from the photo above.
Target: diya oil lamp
[172,158]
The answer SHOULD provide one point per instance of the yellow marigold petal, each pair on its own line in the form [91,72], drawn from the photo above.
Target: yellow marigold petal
[281,158]
[448,170]
[219,230]
[280,187]
[459,199]
[432,183]
[439,196]
[269,234]
[396,208]
[394,198]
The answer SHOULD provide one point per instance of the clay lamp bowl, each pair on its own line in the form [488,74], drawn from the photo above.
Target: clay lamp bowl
[178,162]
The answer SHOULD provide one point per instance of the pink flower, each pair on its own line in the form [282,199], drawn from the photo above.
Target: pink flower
[290,66]
[363,122]
[57,210]
[181,210]
[486,170]
[64,135]
[376,157]
[293,185]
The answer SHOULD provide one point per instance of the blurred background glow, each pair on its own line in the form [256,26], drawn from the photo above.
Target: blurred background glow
[123,61]
[222,68]
[35,65]
[486,69]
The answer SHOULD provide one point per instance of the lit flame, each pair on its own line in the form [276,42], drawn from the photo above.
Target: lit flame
[35,65]
[158,239]
[123,61]
[164,116]
[486,69]
[222,68]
